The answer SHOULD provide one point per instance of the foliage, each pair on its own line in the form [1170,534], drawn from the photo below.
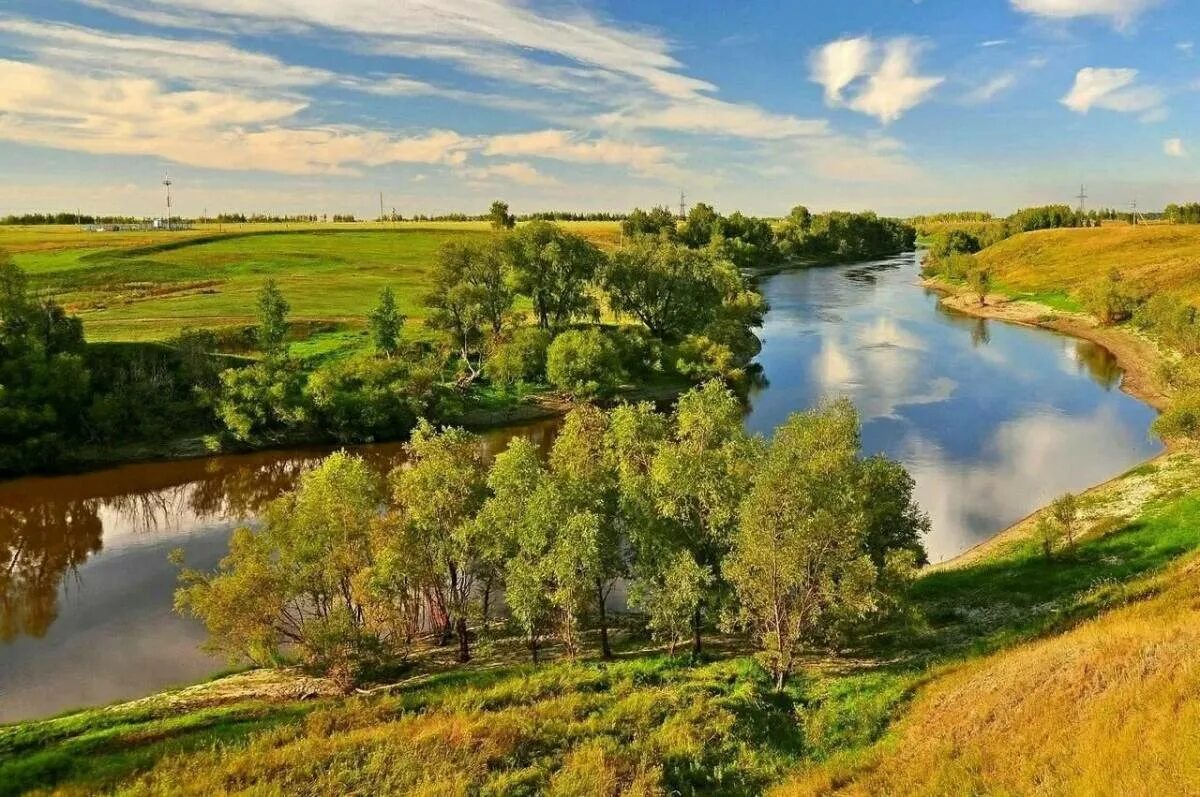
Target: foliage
[953,242]
[521,357]
[1187,213]
[979,282]
[433,541]
[1042,218]
[1181,420]
[263,402]
[800,563]
[273,310]
[470,295]
[659,222]
[553,268]
[1111,299]
[584,363]
[670,288]
[386,323]
[499,216]
[842,235]
[364,399]
[671,598]
[302,579]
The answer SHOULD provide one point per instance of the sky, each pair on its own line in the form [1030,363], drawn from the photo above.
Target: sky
[312,106]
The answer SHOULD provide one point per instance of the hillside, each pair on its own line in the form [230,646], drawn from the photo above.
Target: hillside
[1164,258]
[1009,665]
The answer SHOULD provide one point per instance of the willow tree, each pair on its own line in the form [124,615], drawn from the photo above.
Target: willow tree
[801,564]
[436,495]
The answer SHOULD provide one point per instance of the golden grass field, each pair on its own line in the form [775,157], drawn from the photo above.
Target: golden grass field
[1163,258]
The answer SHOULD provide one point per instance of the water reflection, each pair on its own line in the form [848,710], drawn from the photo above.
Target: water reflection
[991,419]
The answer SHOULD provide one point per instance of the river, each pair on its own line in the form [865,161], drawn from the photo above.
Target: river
[992,420]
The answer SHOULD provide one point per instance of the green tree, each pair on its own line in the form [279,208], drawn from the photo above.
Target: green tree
[671,289]
[456,302]
[659,222]
[386,322]
[554,269]
[800,563]
[436,497]
[499,216]
[1064,511]
[979,281]
[273,311]
[520,358]
[698,475]
[671,597]
[301,579]
[584,363]
[702,226]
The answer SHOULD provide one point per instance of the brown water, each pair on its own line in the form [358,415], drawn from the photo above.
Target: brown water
[993,420]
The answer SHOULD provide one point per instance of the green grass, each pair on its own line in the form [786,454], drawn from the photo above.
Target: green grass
[138,286]
[646,723]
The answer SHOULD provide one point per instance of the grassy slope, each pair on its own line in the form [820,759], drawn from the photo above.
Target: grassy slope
[148,286]
[1014,657]
[1052,264]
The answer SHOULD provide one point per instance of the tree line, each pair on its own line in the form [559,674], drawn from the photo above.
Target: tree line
[794,540]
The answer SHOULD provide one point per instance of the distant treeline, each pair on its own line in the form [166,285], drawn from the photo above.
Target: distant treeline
[1188,213]
[66,218]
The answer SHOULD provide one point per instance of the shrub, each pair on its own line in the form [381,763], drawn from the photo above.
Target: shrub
[520,358]
[639,351]
[1182,419]
[584,363]
[366,398]
[1111,299]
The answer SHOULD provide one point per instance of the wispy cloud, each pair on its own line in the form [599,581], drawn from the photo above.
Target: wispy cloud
[878,79]
[1174,148]
[1120,12]
[990,89]
[1112,90]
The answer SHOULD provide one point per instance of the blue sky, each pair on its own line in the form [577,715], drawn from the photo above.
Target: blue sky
[315,106]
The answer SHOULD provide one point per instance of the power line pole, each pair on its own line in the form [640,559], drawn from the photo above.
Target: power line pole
[1082,198]
[167,183]
[682,206]
[1134,216]
[381,206]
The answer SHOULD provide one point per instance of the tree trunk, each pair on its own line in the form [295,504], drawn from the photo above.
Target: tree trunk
[697,618]
[780,679]
[487,599]
[464,650]
[533,646]
[446,633]
[605,649]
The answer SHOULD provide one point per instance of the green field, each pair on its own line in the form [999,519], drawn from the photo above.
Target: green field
[145,286]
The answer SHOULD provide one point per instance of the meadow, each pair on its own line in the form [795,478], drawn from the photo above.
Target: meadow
[1009,672]
[1057,263]
[149,285]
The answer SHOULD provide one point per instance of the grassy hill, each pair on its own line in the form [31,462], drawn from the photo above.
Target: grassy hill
[1164,258]
[140,286]
[1012,673]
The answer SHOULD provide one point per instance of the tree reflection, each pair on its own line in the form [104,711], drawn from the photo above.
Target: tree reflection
[1099,363]
[39,545]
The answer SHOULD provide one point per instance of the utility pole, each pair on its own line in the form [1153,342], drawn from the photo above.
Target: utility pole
[682,206]
[1082,198]
[381,206]
[1134,216]
[167,183]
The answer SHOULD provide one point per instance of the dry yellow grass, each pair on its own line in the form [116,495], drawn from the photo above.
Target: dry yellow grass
[1162,257]
[1110,708]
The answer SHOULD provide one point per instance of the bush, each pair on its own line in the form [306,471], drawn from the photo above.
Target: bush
[1182,419]
[1172,320]
[1111,299]
[264,401]
[584,363]
[367,398]
[953,242]
[521,358]
[640,352]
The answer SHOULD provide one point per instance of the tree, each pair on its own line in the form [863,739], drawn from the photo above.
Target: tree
[273,311]
[583,363]
[800,563]
[436,496]
[499,216]
[1112,299]
[553,268]
[698,476]
[671,289]
[520,358]
[1064,510]
[702,226]
[660,222]
[301,579]
[386,322]
[979,280]
[671,597]
[470,294]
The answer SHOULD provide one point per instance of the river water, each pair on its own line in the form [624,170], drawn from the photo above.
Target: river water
[993,420]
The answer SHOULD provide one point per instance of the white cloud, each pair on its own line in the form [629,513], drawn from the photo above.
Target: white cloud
[839,63]
[1174,148]
[516,172]
[990,89]
[1112,90]
[993,43]
[1121,12]
[716,117]
[883,76]
[217,130]
[1185,47]
[572,147]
